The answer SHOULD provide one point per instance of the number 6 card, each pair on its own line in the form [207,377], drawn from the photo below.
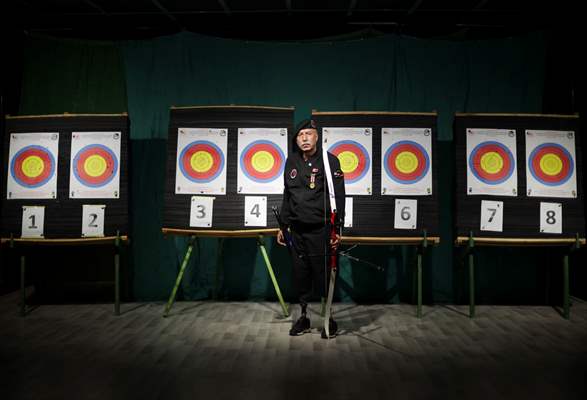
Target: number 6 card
[405,214]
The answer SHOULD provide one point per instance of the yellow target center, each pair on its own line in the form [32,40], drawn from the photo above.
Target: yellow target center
[262,161]
[551,164]
[491,162]
[348,161]
[95,165]
[201,161]
[406,162]
[33,166]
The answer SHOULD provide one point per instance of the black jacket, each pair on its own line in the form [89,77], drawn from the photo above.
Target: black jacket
[303,204]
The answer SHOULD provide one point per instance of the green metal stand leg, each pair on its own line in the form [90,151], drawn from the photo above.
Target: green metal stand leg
[22,286]
[117,275]
[322,306]
[421,251]
[471,286]
[261,244]
[566,300]
[419,309]
[219,269]
[179,276]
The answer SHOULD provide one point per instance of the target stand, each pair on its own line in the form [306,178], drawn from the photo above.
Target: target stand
[65,183]
[389,164]
[519,183]
[224,172]
[194,234]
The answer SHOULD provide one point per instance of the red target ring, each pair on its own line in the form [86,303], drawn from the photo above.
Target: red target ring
[413,151]
[211,165]
[95,165]
[359,163]
[563,164]
[505,159]
[257,155]
[32,166]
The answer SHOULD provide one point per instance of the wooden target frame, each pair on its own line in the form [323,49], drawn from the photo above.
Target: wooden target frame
[522,226]
[228,220]
[62,214]
[228,215]
[374,214]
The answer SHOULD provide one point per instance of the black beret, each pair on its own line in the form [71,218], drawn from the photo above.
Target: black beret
[306,124]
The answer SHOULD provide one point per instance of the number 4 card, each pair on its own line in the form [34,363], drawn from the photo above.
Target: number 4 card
[255,210]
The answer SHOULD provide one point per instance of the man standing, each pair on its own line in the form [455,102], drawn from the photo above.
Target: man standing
[306,211]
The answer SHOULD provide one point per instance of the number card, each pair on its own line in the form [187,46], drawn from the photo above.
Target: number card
[201,211]
[33,221]
[551,217]
[405,214]
[348,212]
[256,210]
[492,216]
[93,220]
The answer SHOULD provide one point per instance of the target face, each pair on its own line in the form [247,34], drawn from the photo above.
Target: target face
[201,161]
[262,161]
[95,165]
[551,164]
[353,157]
[406,162]
[491,162]
[32,166]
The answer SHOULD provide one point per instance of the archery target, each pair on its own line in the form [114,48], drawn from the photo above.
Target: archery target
[551,165]
[94,165]
[354,159]
[261,160]
[491,162]
[406,161]
[32,168]
[201,161]
[352,147]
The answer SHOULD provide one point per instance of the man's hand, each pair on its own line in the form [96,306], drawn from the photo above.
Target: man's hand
[335,242]
[280,238]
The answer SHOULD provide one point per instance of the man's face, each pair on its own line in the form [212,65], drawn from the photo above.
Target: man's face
[307,139]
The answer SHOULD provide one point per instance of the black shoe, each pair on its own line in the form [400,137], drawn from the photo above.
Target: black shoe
[332,328]
[301,326]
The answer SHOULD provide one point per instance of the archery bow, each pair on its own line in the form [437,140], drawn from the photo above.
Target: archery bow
[332,236]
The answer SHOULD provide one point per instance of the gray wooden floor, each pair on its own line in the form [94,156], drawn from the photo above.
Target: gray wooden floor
[243,351]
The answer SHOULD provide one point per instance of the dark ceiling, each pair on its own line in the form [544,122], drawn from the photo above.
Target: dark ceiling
[287,19]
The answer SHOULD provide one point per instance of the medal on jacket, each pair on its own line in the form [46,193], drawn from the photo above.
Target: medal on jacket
[313,178]
[312,181]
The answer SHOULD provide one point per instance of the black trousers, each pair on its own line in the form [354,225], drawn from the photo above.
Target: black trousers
[310,261]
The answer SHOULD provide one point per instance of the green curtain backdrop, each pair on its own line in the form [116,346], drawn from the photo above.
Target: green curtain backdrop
[390,73]
[72,76]
[384,73]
